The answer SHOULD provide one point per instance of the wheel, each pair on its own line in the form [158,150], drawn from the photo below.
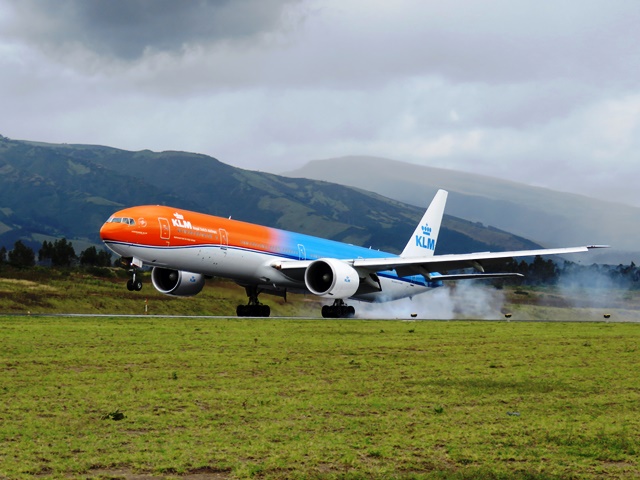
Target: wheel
[241,311]
[326,311]
[264,310]
[130,285]
[137,285]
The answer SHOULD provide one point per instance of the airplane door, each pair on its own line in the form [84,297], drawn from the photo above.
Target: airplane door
[165,229]
[302,254]
[224,239]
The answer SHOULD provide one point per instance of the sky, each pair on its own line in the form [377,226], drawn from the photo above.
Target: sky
[541,92]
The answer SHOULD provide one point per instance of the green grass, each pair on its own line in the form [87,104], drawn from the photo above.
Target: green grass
[46,291]
[229,398]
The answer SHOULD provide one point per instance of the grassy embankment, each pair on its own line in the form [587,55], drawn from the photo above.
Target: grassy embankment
[229,398]
[47,291]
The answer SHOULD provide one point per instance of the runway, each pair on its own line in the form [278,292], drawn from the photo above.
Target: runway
[612,319]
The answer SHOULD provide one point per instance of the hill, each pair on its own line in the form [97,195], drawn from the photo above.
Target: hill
[545,216]
[51,191]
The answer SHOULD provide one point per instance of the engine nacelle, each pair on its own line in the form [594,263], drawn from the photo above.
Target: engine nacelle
[328,277]
[176,282]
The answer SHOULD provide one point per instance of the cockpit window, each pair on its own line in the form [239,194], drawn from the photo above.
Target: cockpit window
[128,221]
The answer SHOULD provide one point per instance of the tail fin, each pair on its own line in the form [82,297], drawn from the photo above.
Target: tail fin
[424,238]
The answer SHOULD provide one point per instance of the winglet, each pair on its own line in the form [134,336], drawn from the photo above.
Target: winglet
[423,241]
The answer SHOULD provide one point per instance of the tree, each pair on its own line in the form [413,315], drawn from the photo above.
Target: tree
[21,256]
[3,255]
[60,252]
[92,257]
[46,252]
[542,272]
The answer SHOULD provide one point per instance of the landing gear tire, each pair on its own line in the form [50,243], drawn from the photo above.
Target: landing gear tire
[339,309]
[254,308]
[134,284]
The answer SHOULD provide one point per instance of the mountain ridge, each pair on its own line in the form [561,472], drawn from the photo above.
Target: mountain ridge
[545,216]
[49,191]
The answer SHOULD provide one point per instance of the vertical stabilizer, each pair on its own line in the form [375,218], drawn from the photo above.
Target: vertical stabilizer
[423,241]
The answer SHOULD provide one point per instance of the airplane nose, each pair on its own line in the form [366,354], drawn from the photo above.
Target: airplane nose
[106,231]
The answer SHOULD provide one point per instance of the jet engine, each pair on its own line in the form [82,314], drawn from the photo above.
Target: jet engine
[177,282]
[328,277]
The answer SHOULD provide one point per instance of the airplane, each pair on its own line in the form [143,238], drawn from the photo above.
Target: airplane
[183,248]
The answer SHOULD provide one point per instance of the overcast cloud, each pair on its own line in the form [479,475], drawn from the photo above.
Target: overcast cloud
[542,92]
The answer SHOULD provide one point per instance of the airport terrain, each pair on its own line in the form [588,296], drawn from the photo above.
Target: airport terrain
[102,291]
[156,387]
[193,398]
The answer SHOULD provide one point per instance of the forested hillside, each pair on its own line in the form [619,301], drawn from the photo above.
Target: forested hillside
[52,191]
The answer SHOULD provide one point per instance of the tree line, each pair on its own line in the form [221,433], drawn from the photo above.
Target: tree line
[59,253]
[537,272]
[549,272]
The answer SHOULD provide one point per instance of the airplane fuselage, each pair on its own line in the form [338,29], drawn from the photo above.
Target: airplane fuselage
[184,247]
[171,238]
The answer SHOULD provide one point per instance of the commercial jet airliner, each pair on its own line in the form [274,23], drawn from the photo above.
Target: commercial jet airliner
[183,248]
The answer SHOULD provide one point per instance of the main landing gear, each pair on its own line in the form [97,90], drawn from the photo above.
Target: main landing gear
[339,309]
[254,308]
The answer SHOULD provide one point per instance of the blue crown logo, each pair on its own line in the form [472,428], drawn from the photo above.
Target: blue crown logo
[426,230]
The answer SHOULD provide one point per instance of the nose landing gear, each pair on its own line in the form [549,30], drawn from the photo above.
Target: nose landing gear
[133,265]
[134,284]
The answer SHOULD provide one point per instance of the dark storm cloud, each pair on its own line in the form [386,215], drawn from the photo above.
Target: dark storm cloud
[541,92]
[125,29]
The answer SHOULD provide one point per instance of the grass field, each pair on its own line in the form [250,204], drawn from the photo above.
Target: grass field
[143,398]
[47,291]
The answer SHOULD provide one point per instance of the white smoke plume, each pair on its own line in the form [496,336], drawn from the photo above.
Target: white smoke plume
[465,299]
[590,287]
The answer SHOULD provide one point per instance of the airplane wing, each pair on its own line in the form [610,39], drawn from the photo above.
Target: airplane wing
[426,266]
[429,266]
